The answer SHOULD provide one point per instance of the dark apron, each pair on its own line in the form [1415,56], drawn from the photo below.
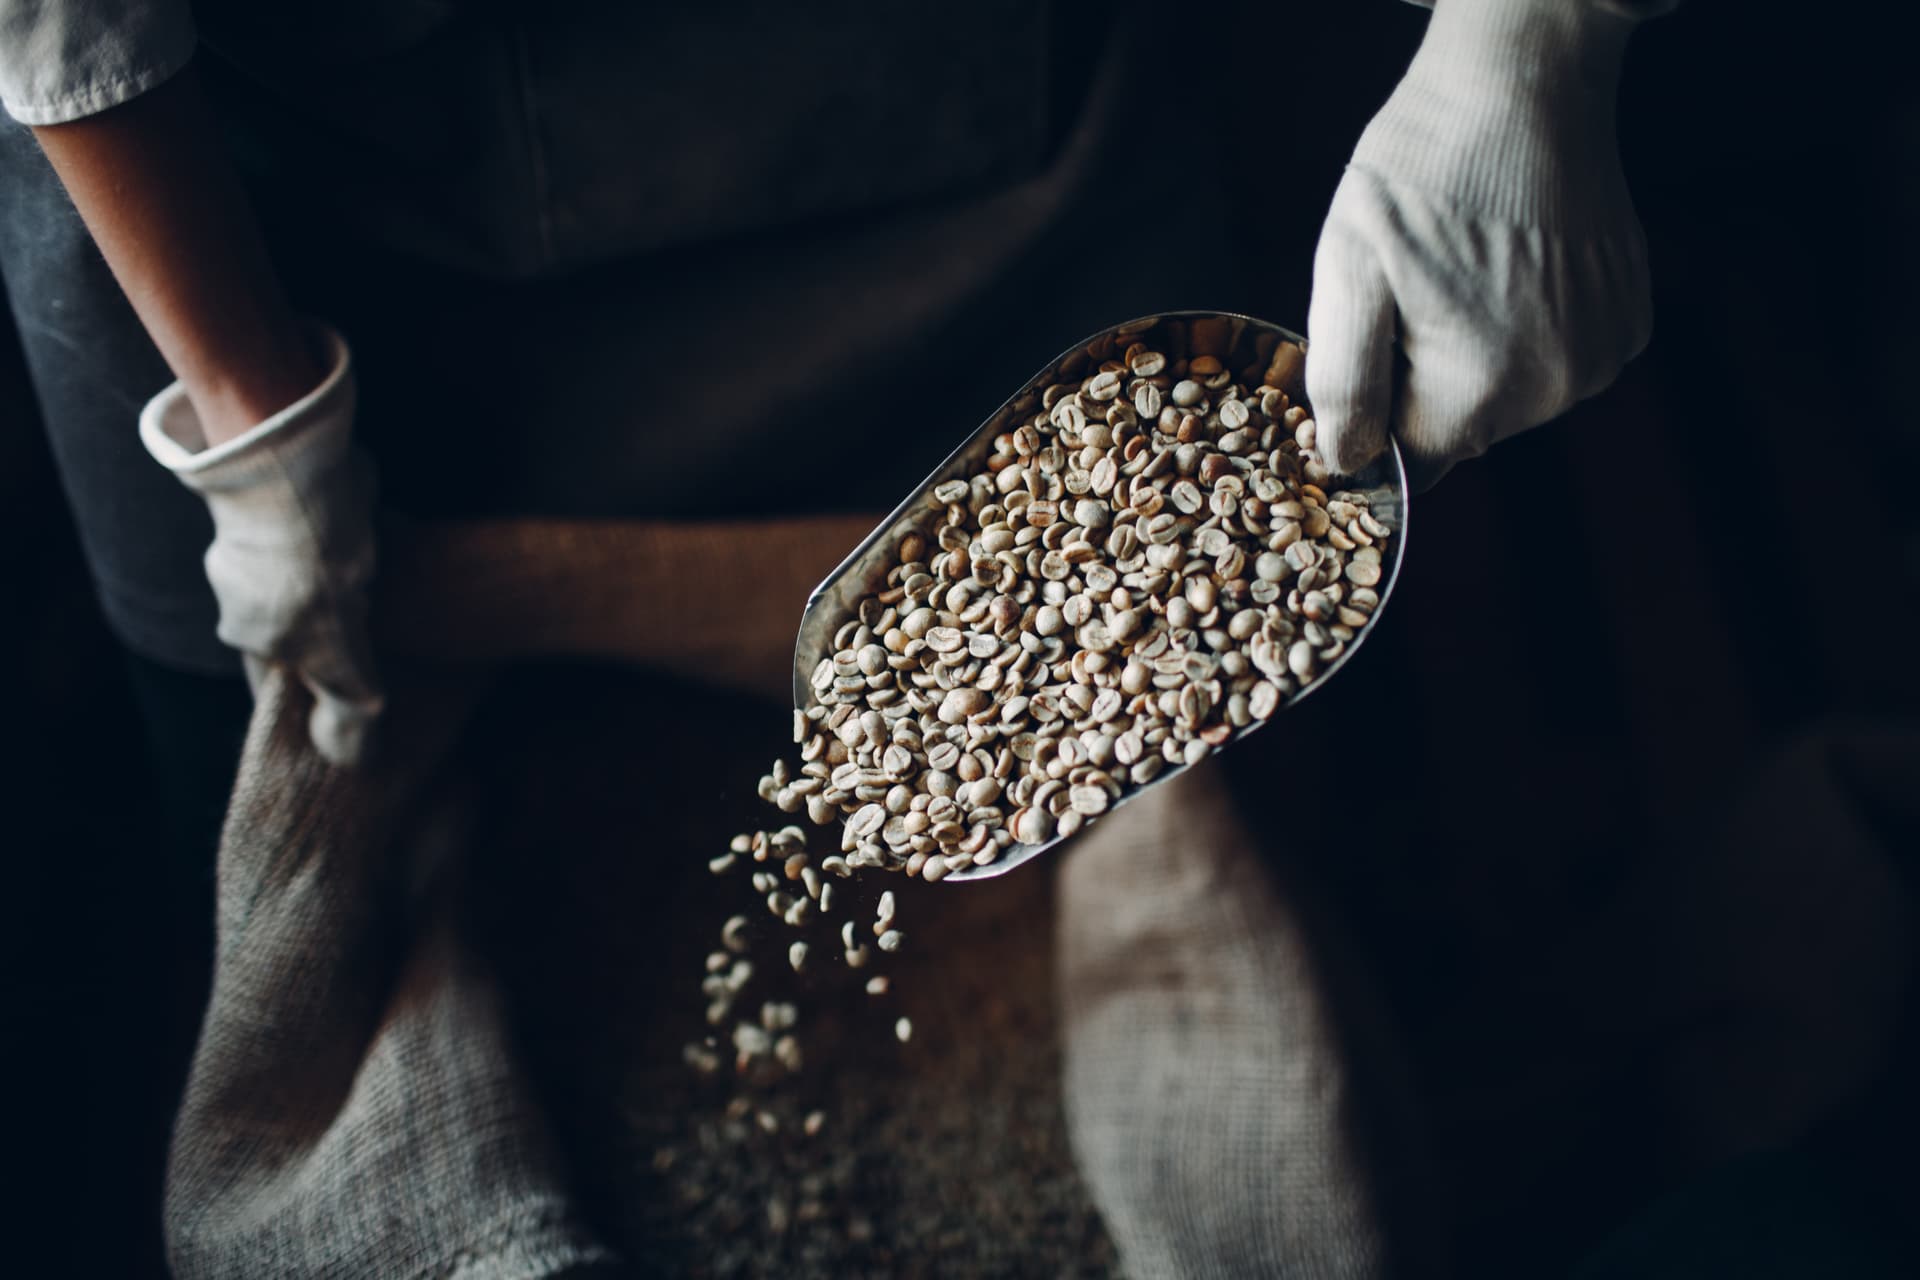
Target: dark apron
[624,261]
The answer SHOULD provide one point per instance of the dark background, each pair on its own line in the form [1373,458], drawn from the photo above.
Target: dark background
[1606,629]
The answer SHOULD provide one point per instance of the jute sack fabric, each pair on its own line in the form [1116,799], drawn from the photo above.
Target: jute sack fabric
[354,1108]
[1209,1045]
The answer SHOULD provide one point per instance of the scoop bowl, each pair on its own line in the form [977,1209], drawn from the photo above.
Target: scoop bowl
[1242,343]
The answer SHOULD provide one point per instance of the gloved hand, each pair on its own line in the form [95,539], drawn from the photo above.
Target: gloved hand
[1481,268]
[292,504]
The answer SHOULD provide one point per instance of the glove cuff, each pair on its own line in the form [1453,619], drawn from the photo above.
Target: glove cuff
[1532,84]
[307,438]
[1626,8]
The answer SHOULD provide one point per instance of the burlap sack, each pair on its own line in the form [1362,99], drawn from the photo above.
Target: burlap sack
[353,1108]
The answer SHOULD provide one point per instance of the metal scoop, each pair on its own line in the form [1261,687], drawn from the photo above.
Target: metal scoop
[1251,349]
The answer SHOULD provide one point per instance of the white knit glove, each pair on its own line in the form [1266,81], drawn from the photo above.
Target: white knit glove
[1484,227]
[292,505]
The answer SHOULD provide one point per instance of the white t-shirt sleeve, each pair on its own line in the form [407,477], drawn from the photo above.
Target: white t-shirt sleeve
[61,60]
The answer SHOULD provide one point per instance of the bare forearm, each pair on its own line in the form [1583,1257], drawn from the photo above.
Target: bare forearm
[154,184]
